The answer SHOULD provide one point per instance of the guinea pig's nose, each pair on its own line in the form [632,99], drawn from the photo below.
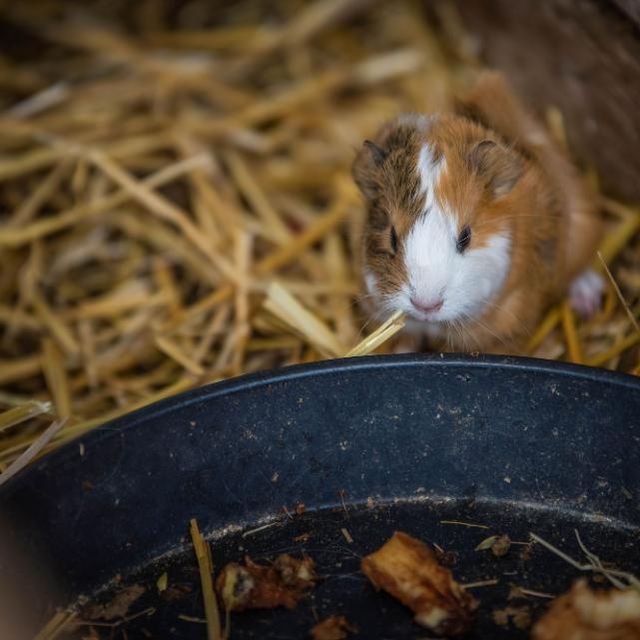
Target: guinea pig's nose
[427,307]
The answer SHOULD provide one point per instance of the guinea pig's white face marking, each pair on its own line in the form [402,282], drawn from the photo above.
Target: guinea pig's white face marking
[437,272]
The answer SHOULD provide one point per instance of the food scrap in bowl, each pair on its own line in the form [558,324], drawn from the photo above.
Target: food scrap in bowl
[254,586]
[332,628]
[586,614]
[408,569]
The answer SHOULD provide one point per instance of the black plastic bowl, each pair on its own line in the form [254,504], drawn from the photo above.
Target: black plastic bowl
[369,446]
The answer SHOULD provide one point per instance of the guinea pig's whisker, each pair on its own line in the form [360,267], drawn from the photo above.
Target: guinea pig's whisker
[488,330]
[456,329]
[376,313]
[498,307]
[388,304]
[379,315]
[459,331]
[467,339]
[366,324]
[360,300]
[363,297]
[451,329]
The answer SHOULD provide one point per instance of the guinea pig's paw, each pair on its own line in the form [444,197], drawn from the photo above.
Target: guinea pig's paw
[585,293]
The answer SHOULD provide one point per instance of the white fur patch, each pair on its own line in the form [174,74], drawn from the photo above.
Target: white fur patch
[436,270]
[429,172]
[430,253]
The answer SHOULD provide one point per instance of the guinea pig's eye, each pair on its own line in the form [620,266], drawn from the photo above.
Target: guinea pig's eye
[464,238]
[393,237]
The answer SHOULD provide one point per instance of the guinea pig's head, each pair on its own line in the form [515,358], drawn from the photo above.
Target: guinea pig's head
[438,192]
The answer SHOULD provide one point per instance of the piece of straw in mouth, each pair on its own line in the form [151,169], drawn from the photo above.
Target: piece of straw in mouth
[381,335]
[205,565]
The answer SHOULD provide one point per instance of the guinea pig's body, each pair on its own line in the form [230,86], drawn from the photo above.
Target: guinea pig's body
[477,222]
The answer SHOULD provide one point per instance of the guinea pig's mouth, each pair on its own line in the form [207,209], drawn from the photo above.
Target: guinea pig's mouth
[426,316]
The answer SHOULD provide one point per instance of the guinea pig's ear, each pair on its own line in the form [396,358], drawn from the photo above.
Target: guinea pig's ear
[369,158]
[378,154]
[499,166]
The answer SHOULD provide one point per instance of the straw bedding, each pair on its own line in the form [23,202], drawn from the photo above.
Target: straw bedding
[176,204]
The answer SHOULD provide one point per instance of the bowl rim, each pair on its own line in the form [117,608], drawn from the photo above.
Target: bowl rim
[245,382]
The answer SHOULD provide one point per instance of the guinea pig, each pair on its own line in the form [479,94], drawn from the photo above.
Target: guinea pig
[476,222]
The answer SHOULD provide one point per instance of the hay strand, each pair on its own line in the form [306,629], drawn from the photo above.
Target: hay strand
[381,335]
[283,305]
[574,347]
[616,288]
[23,412]
[32,451]
[60,621]
[205,565]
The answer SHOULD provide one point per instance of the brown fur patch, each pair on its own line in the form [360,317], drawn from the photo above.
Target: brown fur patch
[394,199]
